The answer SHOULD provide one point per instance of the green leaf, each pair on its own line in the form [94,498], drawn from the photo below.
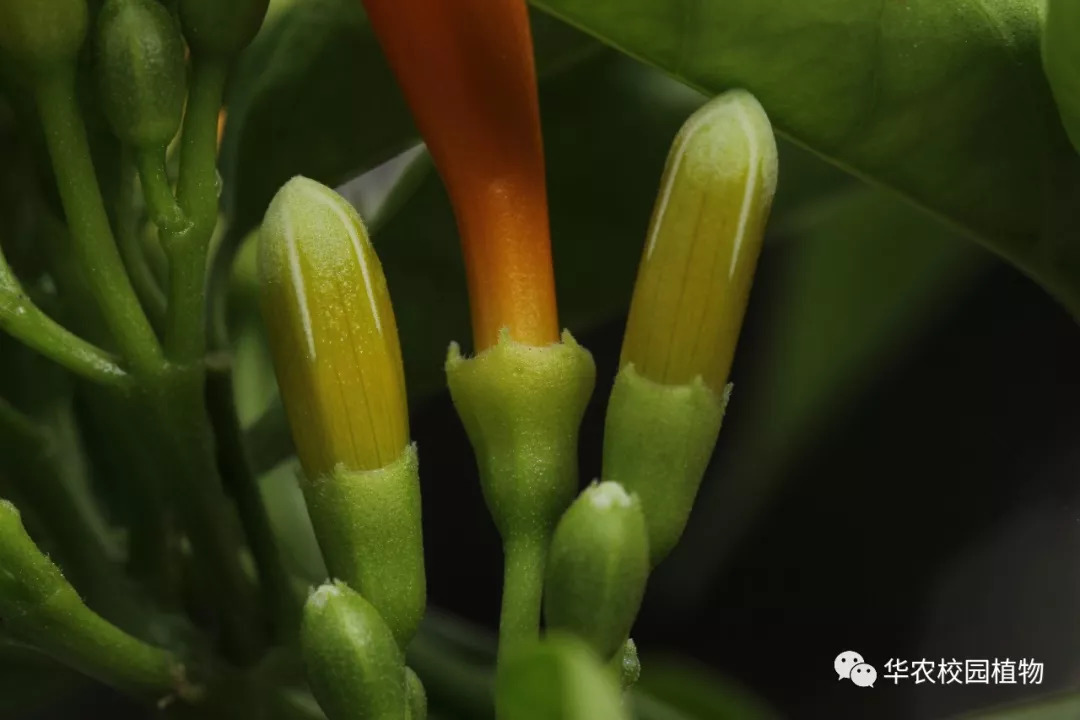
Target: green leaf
[557,679]
[847,306]
[314,96]
[944,102]
[693,692]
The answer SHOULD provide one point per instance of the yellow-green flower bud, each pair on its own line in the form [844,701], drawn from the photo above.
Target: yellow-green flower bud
[332,332]
[141,73]
[597,568]
[692,287]
[221,28]
[42,32]
[703,244]
[338,362]
[353,664]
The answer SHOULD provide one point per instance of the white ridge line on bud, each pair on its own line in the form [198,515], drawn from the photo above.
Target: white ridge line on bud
[748,192]
[680,153]
[347,222]
[298,281]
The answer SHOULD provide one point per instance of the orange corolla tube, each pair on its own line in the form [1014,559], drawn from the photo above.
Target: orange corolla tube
[466,69]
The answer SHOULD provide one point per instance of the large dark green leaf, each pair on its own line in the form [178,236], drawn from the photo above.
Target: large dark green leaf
[314,96]
[944,102]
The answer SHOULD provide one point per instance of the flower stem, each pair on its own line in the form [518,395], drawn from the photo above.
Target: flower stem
[94,245]
[523,584]
[197,195]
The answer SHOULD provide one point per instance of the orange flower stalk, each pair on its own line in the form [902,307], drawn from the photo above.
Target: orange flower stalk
[466,68]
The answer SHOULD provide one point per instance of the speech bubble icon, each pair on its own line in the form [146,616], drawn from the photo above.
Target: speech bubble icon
[864,675]
[844,662]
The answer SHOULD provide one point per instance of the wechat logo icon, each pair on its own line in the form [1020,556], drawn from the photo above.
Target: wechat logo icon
[850,665]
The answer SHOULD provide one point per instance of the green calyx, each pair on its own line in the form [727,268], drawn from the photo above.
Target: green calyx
[368,526]
[41,33]
[598,565]
[221,29]
[141,72]
[352,661]
[657,443]
[521,407]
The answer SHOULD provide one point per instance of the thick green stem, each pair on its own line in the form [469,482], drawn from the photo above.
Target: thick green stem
[196,486]
[197,194]
[523,587]
[244,488]
[164,209]
[88,222]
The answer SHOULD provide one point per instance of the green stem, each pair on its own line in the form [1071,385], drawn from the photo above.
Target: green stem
[244,488]
[88,222]
[197,194]
[164,209]
[523,586]
[142,275]
[197,489]
[23,319]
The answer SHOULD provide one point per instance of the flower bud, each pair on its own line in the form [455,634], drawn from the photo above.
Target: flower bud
[417,698]
[40,607]
[703,244]
[331,331]
[353,665]
[335,348]
[597,568]
[669,397]
[221,28]
[42,32]
[627,665]
[141,71]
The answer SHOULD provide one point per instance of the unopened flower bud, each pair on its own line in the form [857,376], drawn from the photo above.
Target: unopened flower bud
[669,397]
[141,71]
[42,32]
[221,28]
[703,244]
[353,664]
[332,332]
[597,568]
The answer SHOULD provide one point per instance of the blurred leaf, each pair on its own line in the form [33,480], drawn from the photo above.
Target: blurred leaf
[694,692]
[314,96]
[557,679]
[1048,708]
[898,91]
[30,682]
[864,273]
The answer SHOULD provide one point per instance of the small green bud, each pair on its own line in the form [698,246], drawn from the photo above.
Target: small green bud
[597,568]
[1061,61]
[558,678]
[141,73]
[354,666]
[368,526]
[522,406]
[416,696]
[221,28]
[42,32]
[627,664]
[40,607]
[657,443]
